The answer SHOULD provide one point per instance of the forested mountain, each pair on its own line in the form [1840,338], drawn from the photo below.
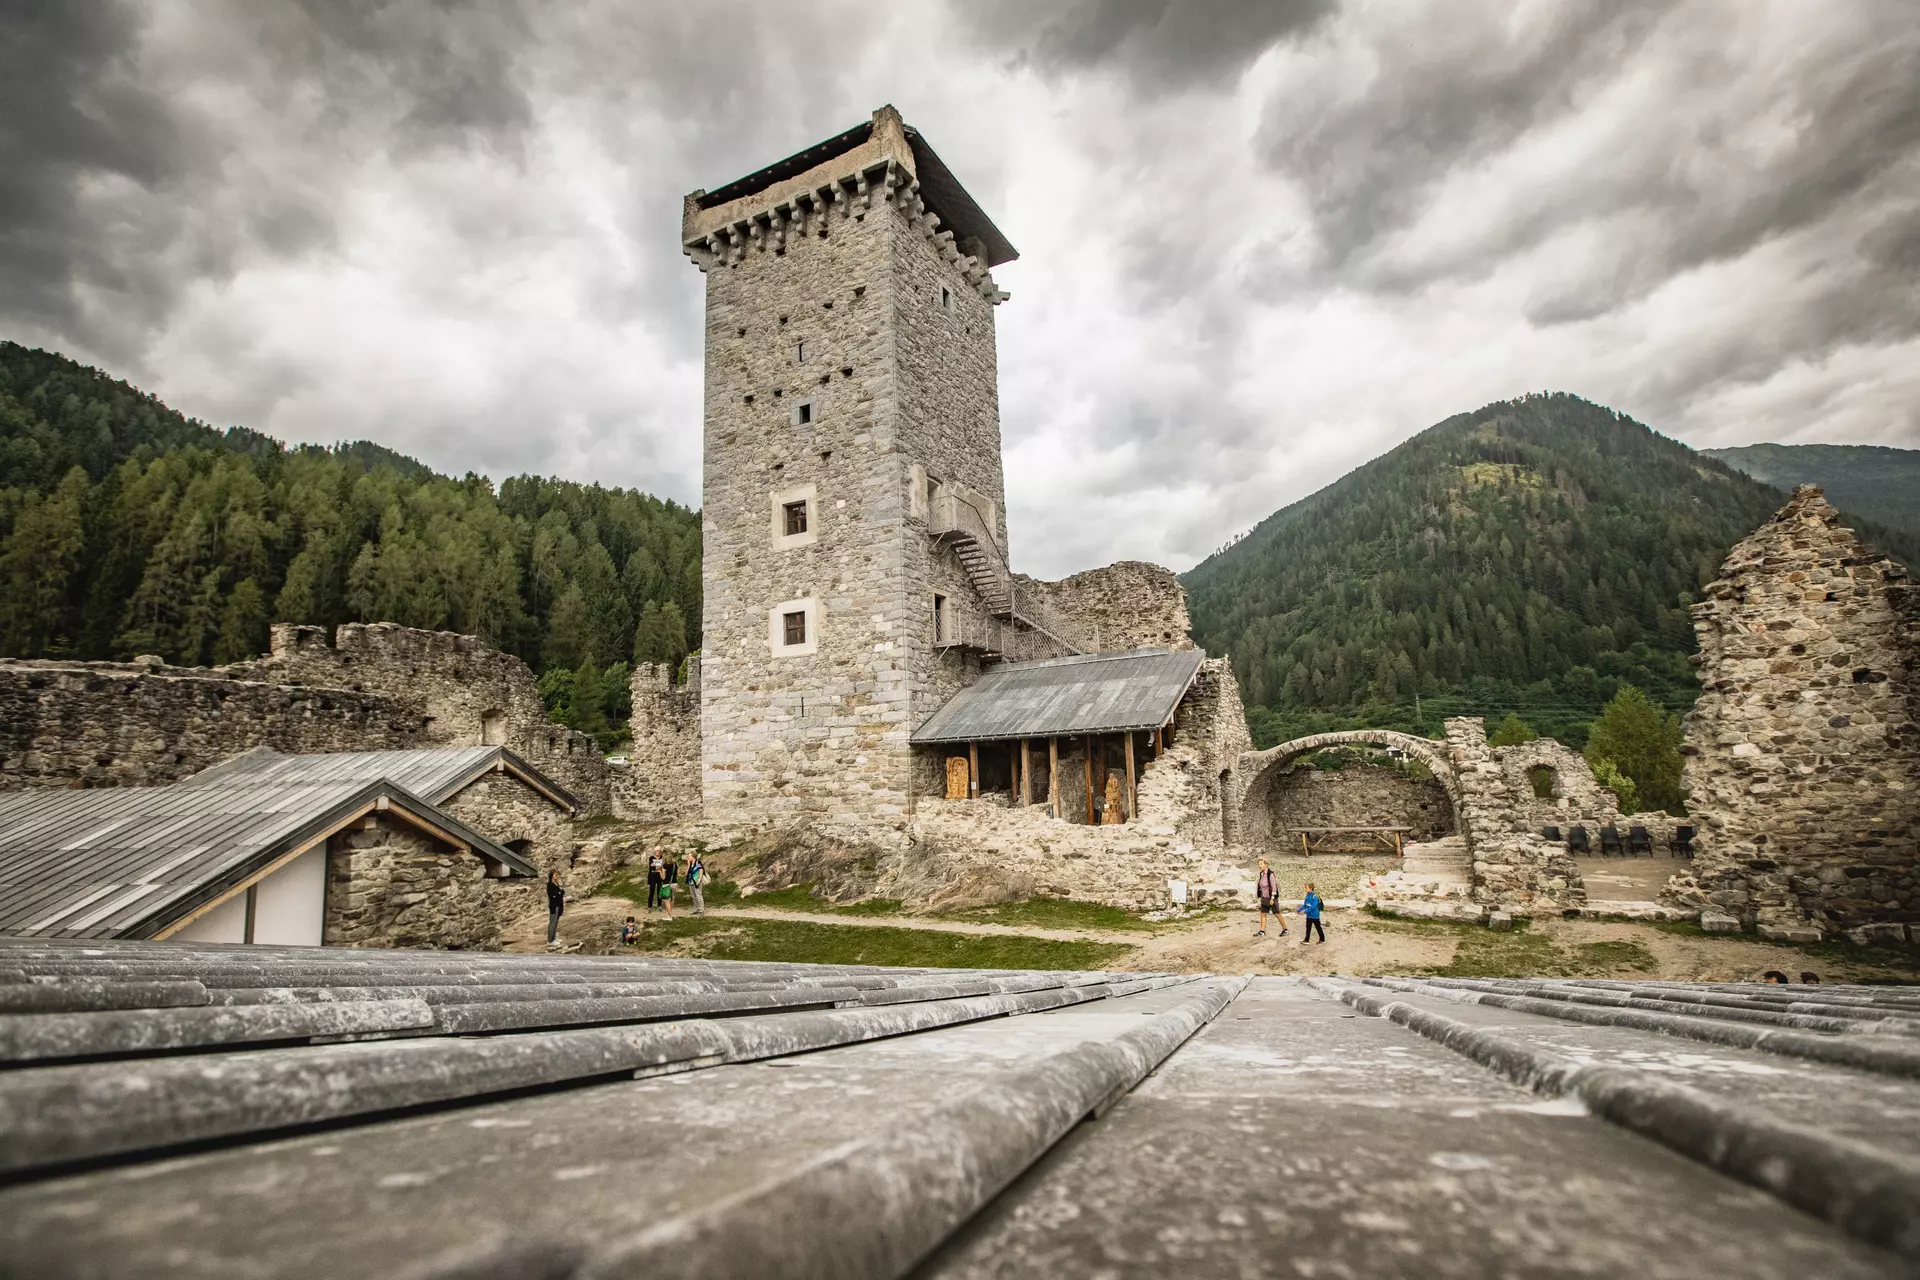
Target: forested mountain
[1872,481]
[1531,556]
[127,528]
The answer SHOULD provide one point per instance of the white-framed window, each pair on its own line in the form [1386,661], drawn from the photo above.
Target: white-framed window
[795,514]
[793,628]
[806,412]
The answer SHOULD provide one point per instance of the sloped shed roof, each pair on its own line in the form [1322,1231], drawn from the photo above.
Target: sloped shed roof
[128,861]
[435,774]
[1095,693]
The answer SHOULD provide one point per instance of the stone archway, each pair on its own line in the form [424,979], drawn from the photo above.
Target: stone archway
[1256,771]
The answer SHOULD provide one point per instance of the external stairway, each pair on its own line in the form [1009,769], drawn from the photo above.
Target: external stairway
[1016,627]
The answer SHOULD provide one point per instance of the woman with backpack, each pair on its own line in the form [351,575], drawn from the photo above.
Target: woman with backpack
[696,882]
[1268,891]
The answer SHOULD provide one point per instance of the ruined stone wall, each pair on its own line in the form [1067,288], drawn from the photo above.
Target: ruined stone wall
[145,723]
[899,379]
[1356,795]
[1126,605]
[1803,752]
[466,692]
[1576,797]
[1512,865]
[389,885]
[661,780]
[507,810]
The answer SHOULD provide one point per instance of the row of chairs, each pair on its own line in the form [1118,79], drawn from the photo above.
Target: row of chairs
[1638,842]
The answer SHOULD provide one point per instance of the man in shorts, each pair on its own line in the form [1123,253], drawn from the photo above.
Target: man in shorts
[1268,891]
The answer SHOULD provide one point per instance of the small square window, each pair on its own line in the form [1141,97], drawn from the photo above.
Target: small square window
[794,518]
[794,627]
[946,297]
[803,414]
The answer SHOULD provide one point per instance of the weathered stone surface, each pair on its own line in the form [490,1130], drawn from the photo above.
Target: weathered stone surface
[377,686]
[1500,920]
[1719,922]
[661,780]
[1803,752]
[1126,605]
[1786,932]
[388,885]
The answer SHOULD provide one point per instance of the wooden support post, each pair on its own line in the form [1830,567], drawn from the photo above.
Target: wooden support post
[1026,775]
[1089,779]
[1053,775]
[1154,743]
[1133,807]
[973,771]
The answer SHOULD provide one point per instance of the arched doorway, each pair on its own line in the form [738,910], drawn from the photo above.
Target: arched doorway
[1271,798]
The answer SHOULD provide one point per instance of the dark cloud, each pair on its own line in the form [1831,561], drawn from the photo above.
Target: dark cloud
[72,108]
[1159,44]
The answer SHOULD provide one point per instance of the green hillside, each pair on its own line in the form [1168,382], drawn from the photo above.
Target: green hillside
[1872,481]
[1530,557]
[128,528]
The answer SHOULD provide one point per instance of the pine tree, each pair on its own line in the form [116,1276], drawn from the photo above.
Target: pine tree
[1643,743]
[1511,732]
[37,562]
[243,624]
[661,636]
[569,630]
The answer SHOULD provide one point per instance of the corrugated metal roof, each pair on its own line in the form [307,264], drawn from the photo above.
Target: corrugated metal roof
[126,861]
[435,774]
[1097,693]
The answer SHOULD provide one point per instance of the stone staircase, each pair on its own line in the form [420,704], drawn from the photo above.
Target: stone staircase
[1434,881]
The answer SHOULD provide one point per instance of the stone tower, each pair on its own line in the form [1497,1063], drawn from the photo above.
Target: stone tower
[853,528]
[1803,752]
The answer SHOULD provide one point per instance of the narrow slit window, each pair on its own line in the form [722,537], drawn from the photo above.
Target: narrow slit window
[946,298]
[795,518]
[939,618]
[799,353]
[794,627]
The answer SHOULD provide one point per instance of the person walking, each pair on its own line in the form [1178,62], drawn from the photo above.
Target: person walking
[653,880]
[1268,891]
[696,884]
[1310,908]
[556,906]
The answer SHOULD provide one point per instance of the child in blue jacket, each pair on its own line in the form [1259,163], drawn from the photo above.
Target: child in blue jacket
[1310,908]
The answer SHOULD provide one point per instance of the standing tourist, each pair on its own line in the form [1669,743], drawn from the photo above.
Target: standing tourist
[667,875]
[1310,908]
[653,880]
[1268,891]
[696,883]
[556,904]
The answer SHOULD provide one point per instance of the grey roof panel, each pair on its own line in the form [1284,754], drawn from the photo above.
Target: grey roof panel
[1096,693]
[435,774]
[129,860]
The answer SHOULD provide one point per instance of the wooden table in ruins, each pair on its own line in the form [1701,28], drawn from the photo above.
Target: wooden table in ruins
[1353,840]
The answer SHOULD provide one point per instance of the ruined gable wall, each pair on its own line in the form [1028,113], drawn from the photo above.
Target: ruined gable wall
[1512,865]
[507,810]
[1576,798]
[389,885]
[145,723]
[661,779]
[1803,752]
[1127,605]
[461,687]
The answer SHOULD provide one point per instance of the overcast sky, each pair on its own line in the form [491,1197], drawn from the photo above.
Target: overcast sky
[1261,242]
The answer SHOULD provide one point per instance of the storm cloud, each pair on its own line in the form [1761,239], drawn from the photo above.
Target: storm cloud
[1262,242]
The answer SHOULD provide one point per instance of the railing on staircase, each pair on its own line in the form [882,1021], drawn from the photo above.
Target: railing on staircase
[959,523]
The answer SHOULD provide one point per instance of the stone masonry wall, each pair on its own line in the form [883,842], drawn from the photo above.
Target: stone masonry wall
[661,780]
[1576,798]
[503,808]
[833,296]
[145,723]
[1126,605]
[1803,751]
[389,885]
[1356,795]
[466,692]
[1512,865]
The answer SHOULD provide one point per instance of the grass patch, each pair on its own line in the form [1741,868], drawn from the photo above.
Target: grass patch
[804,942]
[1054,913]
[1616,954]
